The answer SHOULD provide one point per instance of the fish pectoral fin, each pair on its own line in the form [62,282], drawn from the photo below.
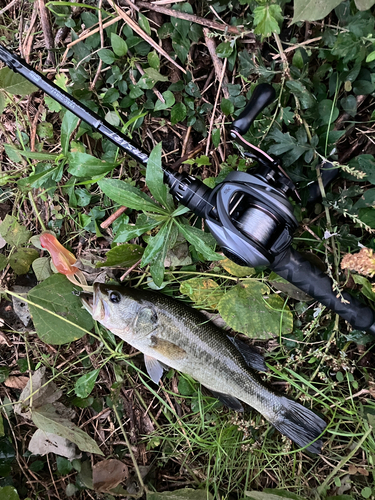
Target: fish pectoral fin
[154,368]
[229,401]
[166,348]
[251,356]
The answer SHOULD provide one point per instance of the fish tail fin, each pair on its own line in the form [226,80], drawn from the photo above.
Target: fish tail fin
[301,425]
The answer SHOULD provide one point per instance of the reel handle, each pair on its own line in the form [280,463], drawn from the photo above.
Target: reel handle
[294,268]
[263,95]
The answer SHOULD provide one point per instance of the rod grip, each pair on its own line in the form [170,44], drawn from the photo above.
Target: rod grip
[294,268]
[263,95]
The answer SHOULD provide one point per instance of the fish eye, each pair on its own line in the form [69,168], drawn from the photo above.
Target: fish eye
[114,297]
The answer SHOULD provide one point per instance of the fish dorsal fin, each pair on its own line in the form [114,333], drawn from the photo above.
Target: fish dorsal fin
[167,349]
[250,355]
[154,368]
[227,400]
[146,320]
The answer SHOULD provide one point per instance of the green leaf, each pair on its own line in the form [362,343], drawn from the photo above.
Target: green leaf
[327,111]
[118,45]
[216,137]
[85,384]
[307,100]
[21,260]
[143,23]
[2,103]
[8,493]
[13,233]
[178,113]
[245,310]
[129,196]
[64,466]
[196,238]
[364,5]
[84,165]
[235,269]
[153,60]
[169,101]
[155,179]
[363,87]
[123,255]
[183,494]
[126,232]
[267,18]
[227,107]
[349,105]
[3,261]
[69,322]
[181,46]
[157,244]
[107,56]
[224,49]
[313,10]
[371,56]
[205,292]
[68,125]
[14,83]
[48,419]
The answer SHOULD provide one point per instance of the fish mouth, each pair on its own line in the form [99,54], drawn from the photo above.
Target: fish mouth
[87,301]
[94,304]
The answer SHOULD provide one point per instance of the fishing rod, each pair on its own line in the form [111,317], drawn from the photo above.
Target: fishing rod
[249,215]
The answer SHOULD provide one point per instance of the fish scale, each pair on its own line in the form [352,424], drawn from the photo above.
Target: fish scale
[170,333]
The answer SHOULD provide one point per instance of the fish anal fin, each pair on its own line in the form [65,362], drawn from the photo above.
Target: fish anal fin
[167,349]
[229,401]
[251,356]
[154,368]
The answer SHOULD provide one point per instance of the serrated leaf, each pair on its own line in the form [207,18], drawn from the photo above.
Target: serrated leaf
[14,83]
[84,165]
[21,260]
[49,420]
[85,384]
[196,238]
[245,310]
[155,179]
[129,196]
[313,10]
[69,321]
[118,45]
[205,292]
[13,233]
[266,19]
[178,113]
[123,255]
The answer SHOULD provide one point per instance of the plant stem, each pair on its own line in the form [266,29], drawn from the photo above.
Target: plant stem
[32,202]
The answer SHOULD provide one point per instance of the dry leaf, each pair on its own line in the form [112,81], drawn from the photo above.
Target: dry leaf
[43,442]
[4,339]
[352,469]
[16,382]
[107,474]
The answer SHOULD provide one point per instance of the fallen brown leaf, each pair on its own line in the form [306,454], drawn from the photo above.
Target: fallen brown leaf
[107,474]
[14,382]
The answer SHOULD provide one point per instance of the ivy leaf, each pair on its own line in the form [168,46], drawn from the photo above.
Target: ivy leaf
[266,19]
[227,107]
[107,56]
[68,322]
[123,255]
[155,179]
[312,10]
[129,196]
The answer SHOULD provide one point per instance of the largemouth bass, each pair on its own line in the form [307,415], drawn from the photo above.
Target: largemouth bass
[170,333]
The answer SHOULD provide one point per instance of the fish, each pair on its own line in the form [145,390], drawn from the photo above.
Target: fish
[172,334]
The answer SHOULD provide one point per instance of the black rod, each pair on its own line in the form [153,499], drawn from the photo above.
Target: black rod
[20,66]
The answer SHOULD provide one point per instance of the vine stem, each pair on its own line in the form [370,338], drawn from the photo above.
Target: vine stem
[32,202]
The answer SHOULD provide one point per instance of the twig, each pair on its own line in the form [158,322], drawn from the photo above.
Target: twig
[106,223]
[36,211]
[144,35]
[99,68]
[186,139]
[141,71]
[218,65]
[192,154]
[296,46]
[7,7]
[233,30]
[29,38]
[128,271]
[214,109]
[47,33]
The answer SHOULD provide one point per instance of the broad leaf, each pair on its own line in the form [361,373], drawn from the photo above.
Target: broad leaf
[169,101]
[85,384]
[196,237]
[312,10]
[123,255]
[21,260]
[118,45]
[205,292]
[178,113]
[307,100]
[155,179]
[126,232]
[245,310]
[14,83]
[235,269]
[68,322]
[8,493]
[84,165]
[267,18]
[13,233]
[183,494]
[129,196]
[48,419]
[157,243]
[68,126]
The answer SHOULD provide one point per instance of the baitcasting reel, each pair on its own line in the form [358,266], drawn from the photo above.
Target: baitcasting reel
[249,215]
